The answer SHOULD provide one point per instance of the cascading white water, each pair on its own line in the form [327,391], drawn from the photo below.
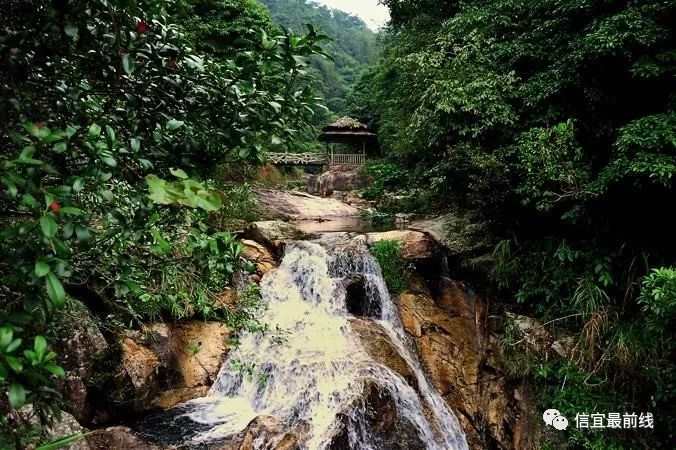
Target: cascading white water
[309,367]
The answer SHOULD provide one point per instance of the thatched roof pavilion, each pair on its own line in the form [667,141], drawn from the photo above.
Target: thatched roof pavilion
[347,131]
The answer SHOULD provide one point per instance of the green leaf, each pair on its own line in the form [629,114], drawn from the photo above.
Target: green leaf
[13,345]
[178,173]
[41,268]
[40,347]
[70,210]
[60,147]
[6,335]
[135,144]
[17,395]
[56,370]
[78,184]
[14,363]
[70,29]
[94,130]
[55,290]
[172,124]
[48,226]
[128,63]
[62,442]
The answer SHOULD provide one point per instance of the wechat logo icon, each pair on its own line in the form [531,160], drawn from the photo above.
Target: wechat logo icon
[553,417]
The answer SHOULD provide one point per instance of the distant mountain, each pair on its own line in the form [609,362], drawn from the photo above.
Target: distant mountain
[353,46]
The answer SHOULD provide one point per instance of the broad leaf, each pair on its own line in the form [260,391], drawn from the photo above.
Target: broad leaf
[55,290]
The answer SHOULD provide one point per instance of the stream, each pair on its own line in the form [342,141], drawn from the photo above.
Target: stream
[309,370]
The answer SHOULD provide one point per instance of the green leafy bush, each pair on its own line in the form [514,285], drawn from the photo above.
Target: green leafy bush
[388,254]
[112,126]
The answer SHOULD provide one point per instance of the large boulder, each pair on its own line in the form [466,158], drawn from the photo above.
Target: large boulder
[274,234]
[464,236]
[80,346]
[259,255]
[302,206]
[65,427]
[415,246]
[118,438]
[338,178]
[168,364]
[464,363]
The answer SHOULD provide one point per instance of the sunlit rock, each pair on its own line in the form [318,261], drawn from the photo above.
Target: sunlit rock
[259,255]
[415,246]
[464,362]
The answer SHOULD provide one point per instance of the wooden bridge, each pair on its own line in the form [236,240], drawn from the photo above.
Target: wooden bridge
[317,159]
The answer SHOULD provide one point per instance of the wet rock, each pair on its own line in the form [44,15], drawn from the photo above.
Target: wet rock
[377,344]
[379,423]
[259,255]
[118,438]
[266,432]
[464,363]
[415,246]
[173,397]
[356,299]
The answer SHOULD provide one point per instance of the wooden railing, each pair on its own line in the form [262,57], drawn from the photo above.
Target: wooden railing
[348,159]
[298,159]
[317,159]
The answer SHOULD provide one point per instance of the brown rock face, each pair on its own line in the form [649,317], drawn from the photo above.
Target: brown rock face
[415,246]
[200,349]
[173,363]
[463,362]
[272,234]
[259,255]
[338,178]
[377,344]
[118,438]
[140,364]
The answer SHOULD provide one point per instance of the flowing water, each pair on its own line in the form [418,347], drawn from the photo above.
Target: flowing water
[310,368]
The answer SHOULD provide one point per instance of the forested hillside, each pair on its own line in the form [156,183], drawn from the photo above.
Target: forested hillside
[353,44]
[555,122]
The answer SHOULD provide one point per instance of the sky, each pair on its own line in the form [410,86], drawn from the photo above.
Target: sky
[370,11]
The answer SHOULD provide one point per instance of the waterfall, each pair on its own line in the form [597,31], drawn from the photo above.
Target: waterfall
[310,368]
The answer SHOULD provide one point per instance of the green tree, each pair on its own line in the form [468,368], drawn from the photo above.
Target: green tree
[112,127]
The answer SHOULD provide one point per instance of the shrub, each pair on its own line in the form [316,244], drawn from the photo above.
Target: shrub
[388,254]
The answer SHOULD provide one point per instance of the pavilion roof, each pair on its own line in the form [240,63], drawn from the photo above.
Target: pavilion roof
[346,129]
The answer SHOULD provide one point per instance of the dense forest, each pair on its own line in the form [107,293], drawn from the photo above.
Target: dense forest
[554,121]
[352,46]
[132,131]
